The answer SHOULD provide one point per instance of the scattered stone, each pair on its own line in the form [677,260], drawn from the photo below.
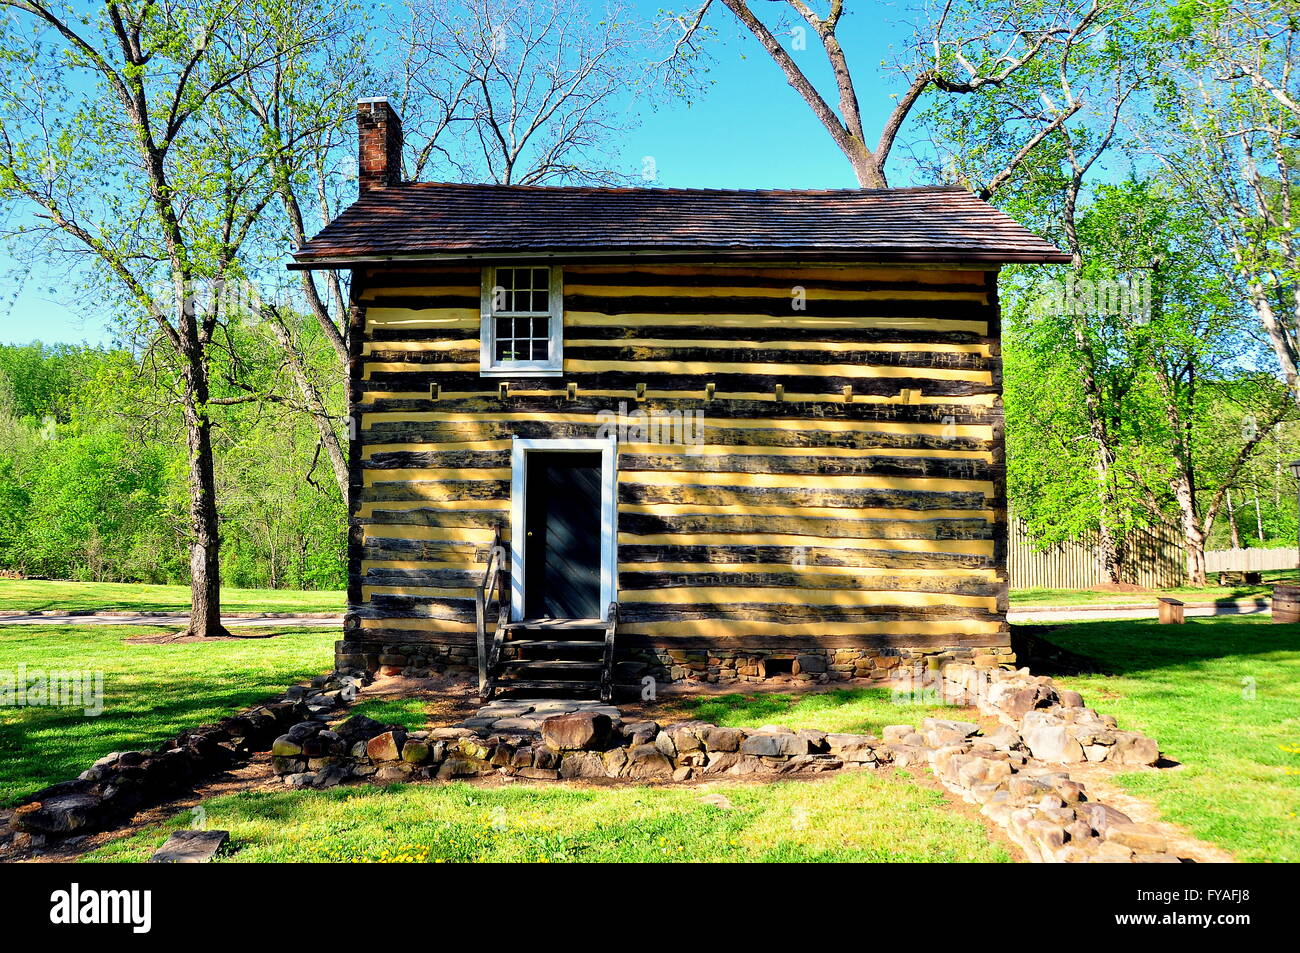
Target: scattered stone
[190,847]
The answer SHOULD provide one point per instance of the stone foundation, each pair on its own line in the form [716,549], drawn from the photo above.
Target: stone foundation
[715,665]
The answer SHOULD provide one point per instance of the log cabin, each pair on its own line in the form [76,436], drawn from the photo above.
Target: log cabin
[640,435]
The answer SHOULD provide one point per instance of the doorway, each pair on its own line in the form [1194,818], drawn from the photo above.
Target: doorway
[562,531]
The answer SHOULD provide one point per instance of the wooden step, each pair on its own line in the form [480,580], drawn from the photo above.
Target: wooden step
[554,624]
[559,684]
[554,644]
[551,664]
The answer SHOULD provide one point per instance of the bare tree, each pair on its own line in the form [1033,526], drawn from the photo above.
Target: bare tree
[1234,120]
[516,92]
[962,49]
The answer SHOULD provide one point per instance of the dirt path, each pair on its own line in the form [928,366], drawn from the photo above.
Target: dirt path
[1101,786]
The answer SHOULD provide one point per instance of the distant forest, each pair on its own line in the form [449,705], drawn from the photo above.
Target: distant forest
[93,476]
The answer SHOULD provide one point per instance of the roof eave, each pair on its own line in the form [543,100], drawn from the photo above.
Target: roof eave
[308,262]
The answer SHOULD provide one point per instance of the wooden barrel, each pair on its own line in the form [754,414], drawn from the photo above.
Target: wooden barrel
[1286,603]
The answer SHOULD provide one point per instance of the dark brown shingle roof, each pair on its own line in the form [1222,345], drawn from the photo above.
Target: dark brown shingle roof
[429,220]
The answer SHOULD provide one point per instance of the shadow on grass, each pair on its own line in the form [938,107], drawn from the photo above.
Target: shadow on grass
[1133,646]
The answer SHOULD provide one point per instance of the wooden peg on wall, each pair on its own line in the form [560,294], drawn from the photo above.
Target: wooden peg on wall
[503,390]
[640,393]
[848,393]
[435,391]
[780,392]
[708,391]
[571,391]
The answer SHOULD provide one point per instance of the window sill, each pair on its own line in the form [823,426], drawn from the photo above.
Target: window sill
[521,372]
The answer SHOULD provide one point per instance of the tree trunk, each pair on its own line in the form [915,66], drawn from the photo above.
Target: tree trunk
[205,535]
[1232,522]
[1193,535]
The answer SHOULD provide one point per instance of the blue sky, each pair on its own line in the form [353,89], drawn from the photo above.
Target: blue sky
[749,129]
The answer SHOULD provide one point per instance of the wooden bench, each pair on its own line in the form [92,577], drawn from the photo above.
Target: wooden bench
[1286,603]
[1171,611]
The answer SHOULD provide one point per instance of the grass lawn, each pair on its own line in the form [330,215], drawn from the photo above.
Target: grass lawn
[151,692]
[857,710]
[50,594]
[863,816]
[1222,697]
[411,713]
[1024,598]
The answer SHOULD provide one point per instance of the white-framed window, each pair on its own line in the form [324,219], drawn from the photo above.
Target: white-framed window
[522,329]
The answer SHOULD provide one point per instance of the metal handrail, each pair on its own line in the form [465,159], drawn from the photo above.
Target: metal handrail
[489,590]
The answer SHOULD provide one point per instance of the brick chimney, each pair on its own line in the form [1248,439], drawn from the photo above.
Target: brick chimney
[379,144]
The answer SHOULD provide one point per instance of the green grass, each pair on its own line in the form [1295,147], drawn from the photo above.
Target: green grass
[1023,598]
[151,692]
[1222,697]
[863,816]
[857,710]
[411,713]
[67,596]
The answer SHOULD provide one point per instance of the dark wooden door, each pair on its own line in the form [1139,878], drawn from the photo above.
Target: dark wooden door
[562,546]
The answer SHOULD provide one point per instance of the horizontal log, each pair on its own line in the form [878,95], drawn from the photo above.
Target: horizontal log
[450,459]
[711,436]
[646,524]
[926,467]
[729,628]
[392,276]
[631,553]
[948,360]
[425,578]
[419,516]
[741,496]
[442,490]
[795,383]
[704,306]
[777,282]
[425,550]
[956,584]
[795,614]
[811,337]
[527,407]
[417,607]
[420,302]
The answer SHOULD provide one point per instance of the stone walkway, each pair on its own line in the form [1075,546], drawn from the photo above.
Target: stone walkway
[527,714]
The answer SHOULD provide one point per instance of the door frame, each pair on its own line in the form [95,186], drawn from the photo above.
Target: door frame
[608,449]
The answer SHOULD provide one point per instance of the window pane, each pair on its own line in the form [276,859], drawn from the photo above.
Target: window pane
[541,350]
[502,350]
[541,327]
[541,300]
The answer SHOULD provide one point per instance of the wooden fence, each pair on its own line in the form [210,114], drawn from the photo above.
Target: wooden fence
[1156,560]
[1249,560]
